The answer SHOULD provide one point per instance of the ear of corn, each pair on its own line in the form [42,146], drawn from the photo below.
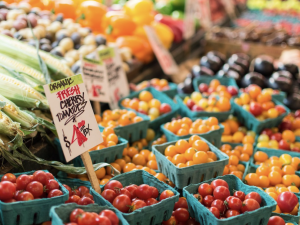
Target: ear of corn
[8,127]
[28,55]
[5,142]
[16,114]
[21,94]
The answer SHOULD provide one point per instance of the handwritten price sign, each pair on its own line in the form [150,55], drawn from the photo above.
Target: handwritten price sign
[163,56]
[73,116]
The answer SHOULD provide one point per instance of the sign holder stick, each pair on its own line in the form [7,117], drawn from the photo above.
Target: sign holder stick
[87,161]
[97,107]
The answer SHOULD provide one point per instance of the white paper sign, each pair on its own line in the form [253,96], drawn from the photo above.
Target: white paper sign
[163,56]
[95,79]
[117,79]
[73,116]
[189,19]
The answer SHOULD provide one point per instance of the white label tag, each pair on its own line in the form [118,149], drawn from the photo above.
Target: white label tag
[117,79]
[73,116]
[189,19]
[95,79]
[163,56]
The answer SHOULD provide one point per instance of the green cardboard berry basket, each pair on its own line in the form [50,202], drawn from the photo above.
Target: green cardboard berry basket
[279,97]
[30,212]
[149,215]
[185,111]
[163,98]
[213,136]
[171,92]
[206,80]
[60,214]
[182,177]
[135,131]
[205,217]
[252,123]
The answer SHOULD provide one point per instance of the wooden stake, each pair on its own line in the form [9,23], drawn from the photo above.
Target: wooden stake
[97,108]
[87,161]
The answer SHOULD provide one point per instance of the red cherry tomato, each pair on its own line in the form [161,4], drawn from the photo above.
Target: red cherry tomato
[253,195]
[181,214]
[75,214]
[35,188]
[113,184]
[7,190]
[123,191]
[132,188]
[109,195]
[199,198]
[182,203]
[74,198]
[55,193]
[205,189]
[155,192]
[219,204]
[41,177]
[166,194]
[215,212]
[88,195]
[249,205]
[255,108]
[231,213]
[137,204]
[219,182]
[50,176]
[143,192]
[240,195]
[207,200]
[191,222]
[235,203]
[171,221]
[122,203]
[51,185]
[9,177]
[22,181]
[151,201]
[25,196]
[276,220]
[69,189]
[221,192]
[76,192]
[87,218]
[85,201]
[111,216]
[103,220]
[83,190]
[287,201]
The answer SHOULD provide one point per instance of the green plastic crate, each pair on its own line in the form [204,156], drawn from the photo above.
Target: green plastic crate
[206,80]
[30,212]
[182,177]
[205,217]
[60,214]
[149,215]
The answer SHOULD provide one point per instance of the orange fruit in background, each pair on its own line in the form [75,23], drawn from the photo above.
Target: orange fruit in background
[139,159]
[288,170]
[223,104]
[227,130]
[247,149]
[200,145]
[212,121]
[226,147]
[145,96]
[103,181]
[132,151]
[179,158]
[296,180]
[248,139]
[100,173]
[296,123]
[238,174]
[252,179]
[289,136]
[234,126]
[233,160]
[129,167]
[182,146]
[161,177]
[262,171]
[212,155]
[277,210]
[200,157]
[115,165]
[241,167]
[287,180]
[126,158]
[264,181]
[121,162]
[244,157]
[193,138]
[152,164]
[151,156]
[238,137]
[145,153]
[275,178]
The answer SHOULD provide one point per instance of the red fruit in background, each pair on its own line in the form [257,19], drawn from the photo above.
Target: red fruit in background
[111,216]
[87,218]
[51,185]
[122,203]
[113,184]
[181,214]
[221,192]
[231,213]
[210,90]
[76,192]
[88,195]
[75,214]
[35,188]
[17,194]
[74,198]
[255,108]
[232,90]
[280,109]
[7,190]
[283,144]
[123,191]
[151,201]
[276,136]
[219,204]
[255,196]
[267,131]
[69,189]
[22,181]
[164,108]
[109,195]
[143,192]
[215,211]
[207,200]
[276,220]
[49,175]
[196,108]
[142,111]
[199,198]
[219,182]
[25,196]
[55,193]
[285,125]
[203,87]
[85,201]
[171,221]
[249,205]
[240,195]
[132,188]
[205,189]
[190,103]
[235,203]
[295,149]
[137,204]
[10,200]
[166,194]
[297,113]
[83,190]
[41,177]
[287,201]
[192,222]
[155,192]
[182,203]
[9,177]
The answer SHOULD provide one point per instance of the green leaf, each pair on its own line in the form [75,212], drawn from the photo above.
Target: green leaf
[109,29]
[2,104]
